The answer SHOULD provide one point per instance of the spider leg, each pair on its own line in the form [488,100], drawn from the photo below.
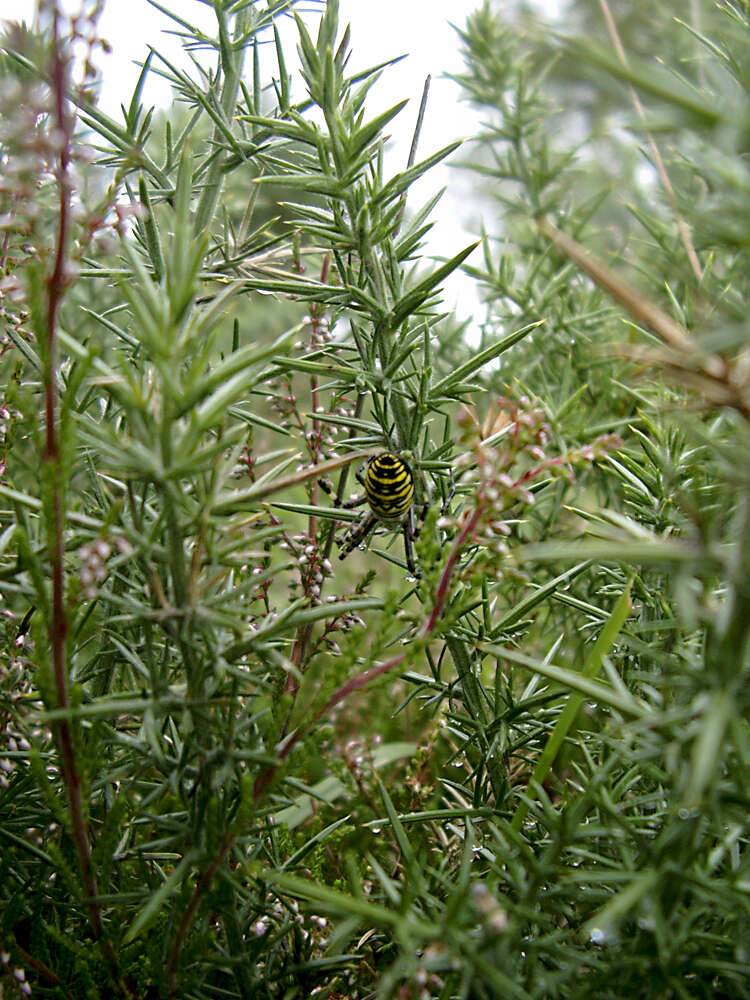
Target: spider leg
[359,474]
[408,530]
[451,493]
[358,533]
[417,523]
[355,501]
[325,485]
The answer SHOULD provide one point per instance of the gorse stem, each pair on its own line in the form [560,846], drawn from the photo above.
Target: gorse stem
[232,61]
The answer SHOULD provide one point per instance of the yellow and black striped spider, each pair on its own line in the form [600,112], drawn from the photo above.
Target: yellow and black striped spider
[389,493]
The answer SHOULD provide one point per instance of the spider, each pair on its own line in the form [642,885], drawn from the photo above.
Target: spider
[389,492]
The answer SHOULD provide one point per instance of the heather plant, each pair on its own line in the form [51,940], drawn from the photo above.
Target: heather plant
[233,763]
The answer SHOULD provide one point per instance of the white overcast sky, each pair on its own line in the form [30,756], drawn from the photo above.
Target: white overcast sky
[381,29]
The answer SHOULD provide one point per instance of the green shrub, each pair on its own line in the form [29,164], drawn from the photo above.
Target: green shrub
[234,765]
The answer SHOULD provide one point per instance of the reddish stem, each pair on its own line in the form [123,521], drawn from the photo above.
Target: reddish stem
[187,918]
[470,523]
[362,680]
[354,684]
[550,463]
[305,631]
[58,626]
[40,968]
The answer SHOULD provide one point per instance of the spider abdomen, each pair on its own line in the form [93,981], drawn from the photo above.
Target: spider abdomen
[389,487]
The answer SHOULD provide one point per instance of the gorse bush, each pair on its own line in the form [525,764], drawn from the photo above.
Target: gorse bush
[234,764]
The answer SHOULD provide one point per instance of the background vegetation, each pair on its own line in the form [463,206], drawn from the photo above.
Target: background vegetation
[232,764]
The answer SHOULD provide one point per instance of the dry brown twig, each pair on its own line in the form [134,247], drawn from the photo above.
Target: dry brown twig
[719,383]
[661,169]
